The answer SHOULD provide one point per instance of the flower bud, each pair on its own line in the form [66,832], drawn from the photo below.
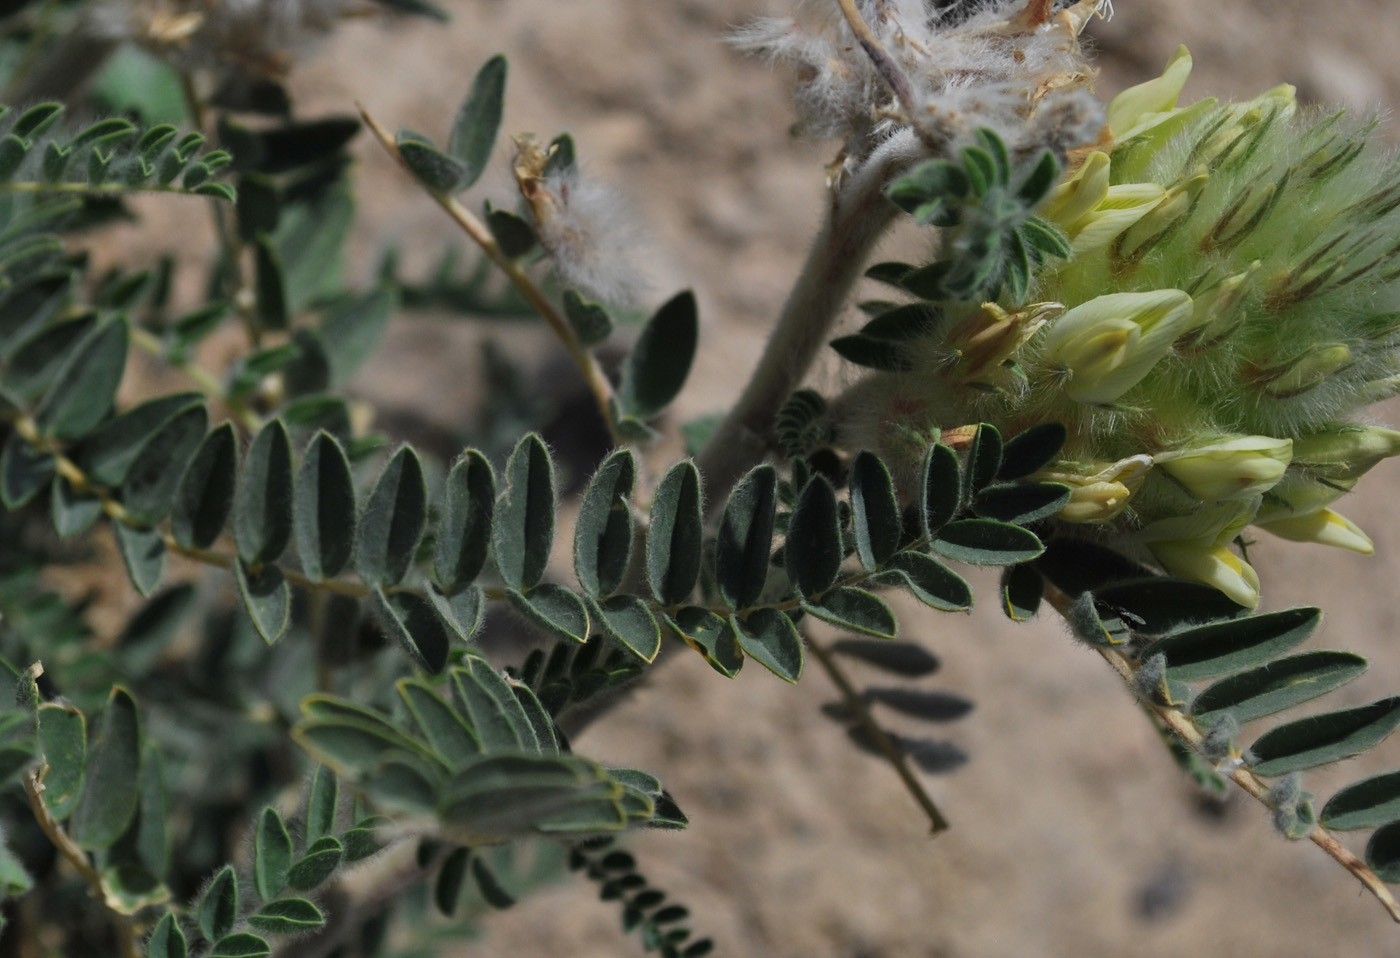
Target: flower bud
[1097,495]
[1120,208]
[1324,527]
[1237,468]
[1214,565]
[1212,525]
[1080,194]
[1110,343]
[1242,121]
[1295,376]
[1139,108]
[1346,451]
[992,335]
[1216,310]
[1170,210]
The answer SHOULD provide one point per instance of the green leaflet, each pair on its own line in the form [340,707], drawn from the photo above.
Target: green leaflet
[321,860]
[984,458]
[769,637]
[1022,589]
[1324,739]
[1030,451]
[445,730]
[83,388]
[143,553]
[205,496]
[262,521]
[478,122]
[813,551]
[603,533]
[745,538]
[107,453]
[589,321]
[524,520]
[1277,685]
[241,945]
[674,540]
[941,479]
[659,363]
[272,854]
[415,625]
[323,800]
[24,471]
[464,532]
[393,521]
[986,542]
[929,581]
[1021,502]
[324,510]
[287,916]
[874,511]
[854,610]
[627,621]
[150,485]
[63,744]
[267,597]
[218,908]
[1223,647]
[709,635]
[554,609]
[167,941]
[1368,803]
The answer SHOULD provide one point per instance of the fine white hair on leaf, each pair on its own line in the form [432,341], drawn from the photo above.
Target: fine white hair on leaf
[593,242]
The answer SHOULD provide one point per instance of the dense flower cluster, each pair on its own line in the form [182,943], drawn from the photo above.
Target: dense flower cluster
[1232,304]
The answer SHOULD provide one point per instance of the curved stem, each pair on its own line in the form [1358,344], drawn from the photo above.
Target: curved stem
[860,708]
[1186,730]
[587,364]
[857,218]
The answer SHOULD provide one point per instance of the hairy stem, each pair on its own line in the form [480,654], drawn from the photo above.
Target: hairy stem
[1186,730]
[856,705]
[75,856]
[587,364]
[858,217]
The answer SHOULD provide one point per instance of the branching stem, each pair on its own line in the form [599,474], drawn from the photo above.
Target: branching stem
[857,705]
[587,364]
[1186,730]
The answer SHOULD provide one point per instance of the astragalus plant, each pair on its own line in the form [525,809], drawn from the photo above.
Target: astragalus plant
[1142,330]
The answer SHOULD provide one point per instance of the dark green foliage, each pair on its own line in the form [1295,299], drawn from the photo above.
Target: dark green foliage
[524,519]
[644,909]
[769,638]
[986,542]
[152,481]
[1021,503]
[659,363]
[287,916]
[589,321]
[436,170]
[262,521]
[412,622]
[1223,647]
[478,122]
[272,855]
[554,609]
[266,596]
[464,532]
[813,550]
[942,488]
[709,635]
[82,390]
[167,940]
[393,521]
[603,533]
[143,553]
[205,496]
[1323,739]
[513,234]
[627,620]
[745,538]
[24,471]
[218,907]
[324,509]
[270,285]
[1022,589]
[110,790]
[674,539]
[1365,804]
[874,510]
[801,424]
[1277,685]
[854,610]
[63,745]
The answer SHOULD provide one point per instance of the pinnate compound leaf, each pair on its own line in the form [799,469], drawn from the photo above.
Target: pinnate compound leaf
[272,854]
[675,538]
[151,484]
[745,539]
[627,621]
[1277,686]
[1030,451]
[1223,647]
[324,509]
[856,611]
[658,366]
[63,744]
[111,785]
[287,916]
[1021,502]
[901,658]
[262,521]
[986,542]
[206,492]
[242,944]
[464,532]
[709,635]
[1365,804]
[82,391]
[942,488]
[478,122]
[603,533]
[554,609]
[769,638]
[1324,739]
[322,858]
[1022,589]
[218,908]
[874,511]
[412,622]
[524,520]
[167,941]
[143,554]
[813,551]
[267,597]
[393,521]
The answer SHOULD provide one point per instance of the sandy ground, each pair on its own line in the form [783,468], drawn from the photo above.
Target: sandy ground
[1072,832]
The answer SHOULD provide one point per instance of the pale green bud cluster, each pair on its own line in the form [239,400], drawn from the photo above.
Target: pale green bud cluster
[1233,299]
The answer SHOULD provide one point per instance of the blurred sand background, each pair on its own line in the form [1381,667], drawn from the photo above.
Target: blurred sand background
[1073,834]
